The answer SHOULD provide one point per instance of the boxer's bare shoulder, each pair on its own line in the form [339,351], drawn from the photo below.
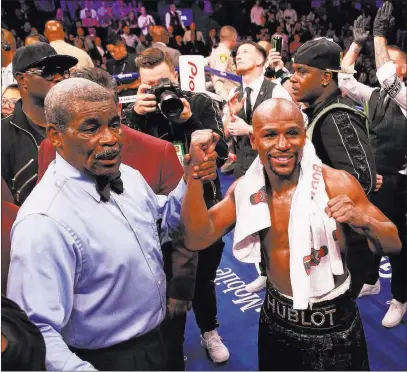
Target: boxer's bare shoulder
[339,182]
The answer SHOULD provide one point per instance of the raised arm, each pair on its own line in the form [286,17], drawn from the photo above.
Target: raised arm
[381,26]
[202,228]
[386,69]
[355,90]
[349,204]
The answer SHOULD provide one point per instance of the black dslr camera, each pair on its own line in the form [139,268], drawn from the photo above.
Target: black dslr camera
[168,97]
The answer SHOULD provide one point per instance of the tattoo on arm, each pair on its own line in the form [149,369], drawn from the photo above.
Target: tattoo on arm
[381,53]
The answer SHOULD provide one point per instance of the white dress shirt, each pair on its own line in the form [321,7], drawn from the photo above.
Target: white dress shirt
[278,91]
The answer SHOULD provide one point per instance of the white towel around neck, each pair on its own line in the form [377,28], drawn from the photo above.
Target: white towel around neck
[311,270]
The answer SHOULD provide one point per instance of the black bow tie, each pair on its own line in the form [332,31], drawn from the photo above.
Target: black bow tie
[104,184]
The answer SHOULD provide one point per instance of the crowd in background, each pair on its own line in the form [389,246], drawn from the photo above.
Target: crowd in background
[87,25]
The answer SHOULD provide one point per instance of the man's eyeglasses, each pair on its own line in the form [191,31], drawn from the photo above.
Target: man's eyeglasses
[49,74]
[8,102]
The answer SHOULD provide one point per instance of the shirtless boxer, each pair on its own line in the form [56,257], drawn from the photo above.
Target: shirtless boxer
[323,330]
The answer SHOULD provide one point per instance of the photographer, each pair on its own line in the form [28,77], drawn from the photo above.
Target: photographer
[179,114]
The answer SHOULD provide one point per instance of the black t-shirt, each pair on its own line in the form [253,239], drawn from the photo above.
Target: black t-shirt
[25,349]
[124,66]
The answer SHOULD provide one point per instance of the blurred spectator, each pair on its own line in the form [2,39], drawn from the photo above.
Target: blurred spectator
[35,38]
[103,10]
[263,31]
[121,62]
[161,40]
[171,35]
[88,11]
[290,14]
[195,47]
[55,34]
[173,19]
[193,34]
[143,44]
[106,19]
[8,49]
[181,45]
[117,27]
[311,15]
[131,21]
[213,40]
[25,30]
[129,37]
[64,20]
[295,44]
[88,20]
[144,21]
[256,14]
[271,23]
[99,47]
[8,100]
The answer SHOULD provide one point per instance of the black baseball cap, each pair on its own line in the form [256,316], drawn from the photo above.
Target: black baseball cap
[40,55]
[321,53]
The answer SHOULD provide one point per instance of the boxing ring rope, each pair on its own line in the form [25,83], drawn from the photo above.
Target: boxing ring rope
[209,70]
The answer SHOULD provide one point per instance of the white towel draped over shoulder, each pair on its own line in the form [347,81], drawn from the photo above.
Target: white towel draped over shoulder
[314,252]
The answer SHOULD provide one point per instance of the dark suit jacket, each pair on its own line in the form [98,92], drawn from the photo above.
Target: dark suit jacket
[158,162]
[244,151]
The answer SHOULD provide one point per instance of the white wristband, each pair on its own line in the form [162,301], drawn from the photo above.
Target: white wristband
[356,48]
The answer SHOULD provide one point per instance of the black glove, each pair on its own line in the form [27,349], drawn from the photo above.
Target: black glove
[383,21]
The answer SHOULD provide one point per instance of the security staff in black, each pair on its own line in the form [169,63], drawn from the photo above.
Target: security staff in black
[37,68]
[387,111]
[338,132]
[199,111]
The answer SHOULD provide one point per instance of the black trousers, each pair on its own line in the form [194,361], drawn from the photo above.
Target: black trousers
[328,337]
[391,200]
[204,305]
[144,353]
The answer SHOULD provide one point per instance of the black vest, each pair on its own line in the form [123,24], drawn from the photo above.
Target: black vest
[174,20]
[265,93]
[388,134]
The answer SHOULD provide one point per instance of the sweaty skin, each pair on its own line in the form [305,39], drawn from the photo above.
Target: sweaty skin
[279,138]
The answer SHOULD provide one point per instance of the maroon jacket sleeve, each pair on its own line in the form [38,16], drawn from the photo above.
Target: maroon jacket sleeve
[46,154]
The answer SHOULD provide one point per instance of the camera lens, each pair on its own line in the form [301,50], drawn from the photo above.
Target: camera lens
[170,104]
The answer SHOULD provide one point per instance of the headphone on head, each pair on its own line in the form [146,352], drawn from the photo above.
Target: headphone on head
[4,44]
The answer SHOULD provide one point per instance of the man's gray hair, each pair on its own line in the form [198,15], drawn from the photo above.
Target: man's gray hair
[67,97]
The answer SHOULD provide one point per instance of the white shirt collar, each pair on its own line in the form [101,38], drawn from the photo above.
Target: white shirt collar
[255,85]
